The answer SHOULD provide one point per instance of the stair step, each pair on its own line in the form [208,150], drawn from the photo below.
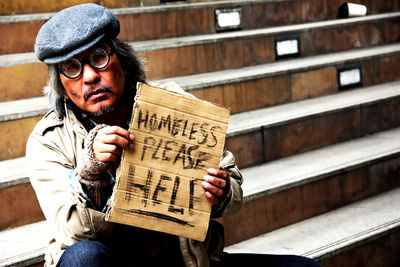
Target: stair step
[330,234]
[280,131]
[279,176]
[287,173]
[353,110]
[295,188]
[207,53]
[24,245]
[277,115]
[217,80]
[146,23]
[192,82]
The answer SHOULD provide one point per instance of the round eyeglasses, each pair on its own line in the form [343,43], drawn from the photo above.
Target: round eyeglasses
[98,58]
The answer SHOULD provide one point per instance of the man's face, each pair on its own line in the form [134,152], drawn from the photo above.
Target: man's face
[96,90]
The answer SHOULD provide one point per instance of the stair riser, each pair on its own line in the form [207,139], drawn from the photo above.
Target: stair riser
[383,252]
[27,6]
[240,96]
[301,202]
[262,145]
[282,88]
[14,86]
[306,134]
[13,137]
[196,20]
[252,51]
[19,206]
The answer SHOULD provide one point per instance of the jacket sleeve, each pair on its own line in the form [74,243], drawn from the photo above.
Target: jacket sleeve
[50,170]
[234,198]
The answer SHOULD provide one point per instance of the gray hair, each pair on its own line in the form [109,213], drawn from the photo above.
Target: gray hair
[130,62]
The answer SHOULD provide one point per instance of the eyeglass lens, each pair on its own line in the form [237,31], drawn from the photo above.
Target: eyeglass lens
[98,58]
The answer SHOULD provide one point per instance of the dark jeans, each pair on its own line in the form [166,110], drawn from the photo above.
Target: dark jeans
[93,253]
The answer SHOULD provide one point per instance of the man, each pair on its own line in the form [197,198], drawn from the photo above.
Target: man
[74,150]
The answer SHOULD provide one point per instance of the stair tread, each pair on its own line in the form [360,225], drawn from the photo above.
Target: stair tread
[23,243]
[314,165]
[275,115]
[23,108]
[196,81]
[239,123]
[331,232]
[354,224]
[283,173]
[37,106]
[149,45]
[131,10]
[13,172]
[165,43]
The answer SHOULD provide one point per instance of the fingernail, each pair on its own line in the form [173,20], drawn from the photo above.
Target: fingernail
[211,170]
[130,146]
[131,136]
[205,184]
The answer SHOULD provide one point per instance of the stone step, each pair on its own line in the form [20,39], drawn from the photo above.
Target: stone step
[288,76]
[285,130]
[24,245]
[182,56]
[165,21]
[291,80]
[207,53]
[288,190]
[268,180]
[352,122]
[23,6]
[19,201]
[343,237]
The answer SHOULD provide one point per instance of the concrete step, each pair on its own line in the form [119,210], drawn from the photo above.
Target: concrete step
[315,128]
[271,133]
[380,152]
[24,245]
[165,21]
[371,225]
[291,80]
[213,52]
[19,201]
[288,190]
[23,7]
[244,88]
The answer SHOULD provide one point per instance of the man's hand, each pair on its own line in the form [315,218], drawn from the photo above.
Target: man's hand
[215,185]
[109,143]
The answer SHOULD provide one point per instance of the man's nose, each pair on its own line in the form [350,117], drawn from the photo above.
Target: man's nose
[89,74]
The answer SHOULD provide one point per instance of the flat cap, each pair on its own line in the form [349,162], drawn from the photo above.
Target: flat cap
[73,30]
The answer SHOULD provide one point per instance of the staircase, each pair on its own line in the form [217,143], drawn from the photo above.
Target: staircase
[320,156]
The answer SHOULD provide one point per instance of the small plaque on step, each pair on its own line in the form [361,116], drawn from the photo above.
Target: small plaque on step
[349,77]
[228,19]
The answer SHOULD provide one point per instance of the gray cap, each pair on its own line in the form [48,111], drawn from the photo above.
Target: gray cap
[73,30]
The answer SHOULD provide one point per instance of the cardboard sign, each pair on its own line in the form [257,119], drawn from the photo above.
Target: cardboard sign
[158,184]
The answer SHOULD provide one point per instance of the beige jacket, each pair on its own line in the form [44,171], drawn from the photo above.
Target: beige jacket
[52,152]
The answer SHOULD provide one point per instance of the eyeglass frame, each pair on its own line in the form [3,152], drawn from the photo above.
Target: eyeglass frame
[86,61]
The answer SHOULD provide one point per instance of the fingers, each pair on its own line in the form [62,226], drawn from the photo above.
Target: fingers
[215,185]
[110,142]
[115,135]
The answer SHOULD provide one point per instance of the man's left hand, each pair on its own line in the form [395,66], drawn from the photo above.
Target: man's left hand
[215,185]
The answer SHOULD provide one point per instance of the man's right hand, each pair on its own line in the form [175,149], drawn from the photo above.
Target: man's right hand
[109,143]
